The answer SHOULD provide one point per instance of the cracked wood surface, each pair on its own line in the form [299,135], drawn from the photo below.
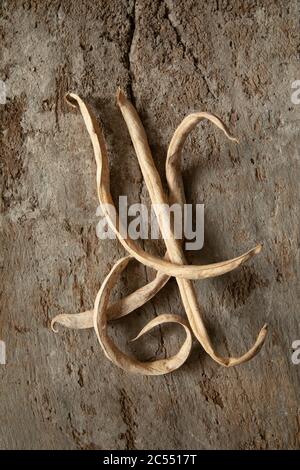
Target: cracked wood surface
[234,58]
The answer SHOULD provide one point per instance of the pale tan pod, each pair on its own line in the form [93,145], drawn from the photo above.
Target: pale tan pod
[173,163]
[182,273]
[174,246]
[105,199]
[113,353]
[117,309]
[177,195]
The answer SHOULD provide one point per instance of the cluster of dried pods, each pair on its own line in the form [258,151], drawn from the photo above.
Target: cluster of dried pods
[174,262]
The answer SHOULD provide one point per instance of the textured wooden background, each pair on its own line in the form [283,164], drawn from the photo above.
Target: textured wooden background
[235,58]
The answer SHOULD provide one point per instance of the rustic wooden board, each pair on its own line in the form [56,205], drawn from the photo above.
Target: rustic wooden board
[235,58]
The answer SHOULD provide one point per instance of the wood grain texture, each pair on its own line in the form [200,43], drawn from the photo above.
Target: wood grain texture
[233,58]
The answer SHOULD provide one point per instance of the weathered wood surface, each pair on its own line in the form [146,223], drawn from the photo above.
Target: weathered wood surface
[234,58]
